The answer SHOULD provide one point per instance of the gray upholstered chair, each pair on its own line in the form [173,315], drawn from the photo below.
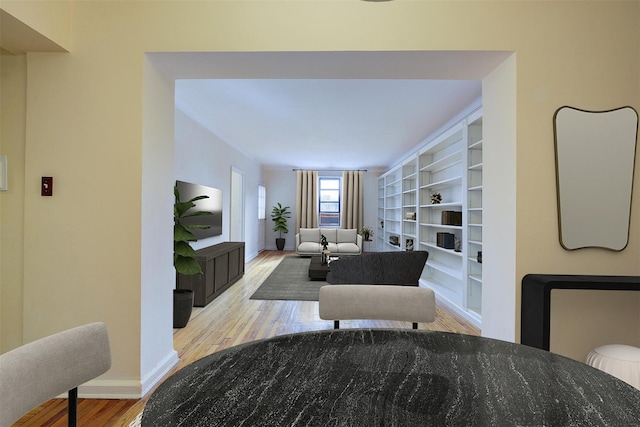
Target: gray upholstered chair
[43,369]
[378,302]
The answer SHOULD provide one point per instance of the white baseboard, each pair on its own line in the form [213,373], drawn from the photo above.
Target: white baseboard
[127,389]
[153,377]
[251,256]
[109,389]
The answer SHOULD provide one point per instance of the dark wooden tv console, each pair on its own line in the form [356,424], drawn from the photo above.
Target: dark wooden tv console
[222,264]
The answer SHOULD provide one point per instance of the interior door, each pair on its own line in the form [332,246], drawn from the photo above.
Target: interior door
[236,233]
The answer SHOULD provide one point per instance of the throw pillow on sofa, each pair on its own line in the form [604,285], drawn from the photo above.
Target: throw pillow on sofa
[346,235]
[310,235]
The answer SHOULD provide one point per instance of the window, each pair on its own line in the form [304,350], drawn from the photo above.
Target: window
[262,205]
[329,203]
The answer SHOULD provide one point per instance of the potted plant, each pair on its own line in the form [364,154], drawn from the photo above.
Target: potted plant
[184,255]
[279,215]
[366,232]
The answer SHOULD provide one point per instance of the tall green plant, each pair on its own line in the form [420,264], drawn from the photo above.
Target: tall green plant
[279,215]
[183,254]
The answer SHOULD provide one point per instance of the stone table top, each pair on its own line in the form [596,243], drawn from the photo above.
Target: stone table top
[379,377]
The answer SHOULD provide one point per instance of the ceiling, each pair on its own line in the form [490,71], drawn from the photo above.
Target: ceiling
[326,110]
[325,124]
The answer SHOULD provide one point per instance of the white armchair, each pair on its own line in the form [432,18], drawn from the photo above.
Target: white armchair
[43,369]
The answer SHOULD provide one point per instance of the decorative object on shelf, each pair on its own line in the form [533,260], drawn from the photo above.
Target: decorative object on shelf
[279,216]
[410,216]
[436,198]
[457,244]
[394,240]
[381,224]
[366,233]
[445,240]
[408,244]
[184,260]
[451,218]
[480,257]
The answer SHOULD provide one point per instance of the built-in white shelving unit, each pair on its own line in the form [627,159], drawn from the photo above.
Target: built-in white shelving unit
[392,221]
[409,205]
[474,215]
[449,165]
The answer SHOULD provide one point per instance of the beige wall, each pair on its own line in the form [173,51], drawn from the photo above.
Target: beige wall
[13,89]
[85,127]
[36,25]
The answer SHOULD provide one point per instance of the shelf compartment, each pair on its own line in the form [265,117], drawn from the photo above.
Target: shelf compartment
[445,269]
[444,205]
[442,290]
[449,227]
[449,182]
[432,245]
[474,296]
[477,145]
[476,278]
[443,163]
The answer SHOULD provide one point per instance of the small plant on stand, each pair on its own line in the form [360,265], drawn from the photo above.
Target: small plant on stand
[366,232]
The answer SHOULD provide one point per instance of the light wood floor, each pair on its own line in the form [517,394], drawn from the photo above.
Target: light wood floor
[230,319]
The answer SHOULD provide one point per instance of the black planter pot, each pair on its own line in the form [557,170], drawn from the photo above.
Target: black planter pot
[182,306]
[280,243]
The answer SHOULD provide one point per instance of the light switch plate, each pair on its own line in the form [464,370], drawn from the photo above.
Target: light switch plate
[47,186]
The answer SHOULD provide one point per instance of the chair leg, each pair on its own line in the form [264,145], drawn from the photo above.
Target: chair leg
[336,324]
[415,325]
[73,407]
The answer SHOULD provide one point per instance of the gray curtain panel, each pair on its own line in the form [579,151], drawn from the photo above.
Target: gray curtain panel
[306,199]
[352,204]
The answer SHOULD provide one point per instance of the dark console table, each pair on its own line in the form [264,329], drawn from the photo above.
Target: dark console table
[536,300]
[222,264]
[365,377]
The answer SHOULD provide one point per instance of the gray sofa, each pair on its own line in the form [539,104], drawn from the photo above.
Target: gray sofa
[379,268]
[341,241]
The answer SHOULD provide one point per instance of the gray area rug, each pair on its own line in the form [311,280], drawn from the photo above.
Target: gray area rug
[290,281]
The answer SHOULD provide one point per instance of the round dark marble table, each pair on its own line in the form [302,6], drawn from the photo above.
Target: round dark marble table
[364,377]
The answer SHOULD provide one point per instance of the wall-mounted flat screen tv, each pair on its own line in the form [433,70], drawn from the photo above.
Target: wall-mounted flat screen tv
[212,204]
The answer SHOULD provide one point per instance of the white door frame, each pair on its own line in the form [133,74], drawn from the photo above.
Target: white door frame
[237,208]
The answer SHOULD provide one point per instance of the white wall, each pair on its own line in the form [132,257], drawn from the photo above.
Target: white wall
[281,187]
[499,203]
[157,280]
[203,158]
